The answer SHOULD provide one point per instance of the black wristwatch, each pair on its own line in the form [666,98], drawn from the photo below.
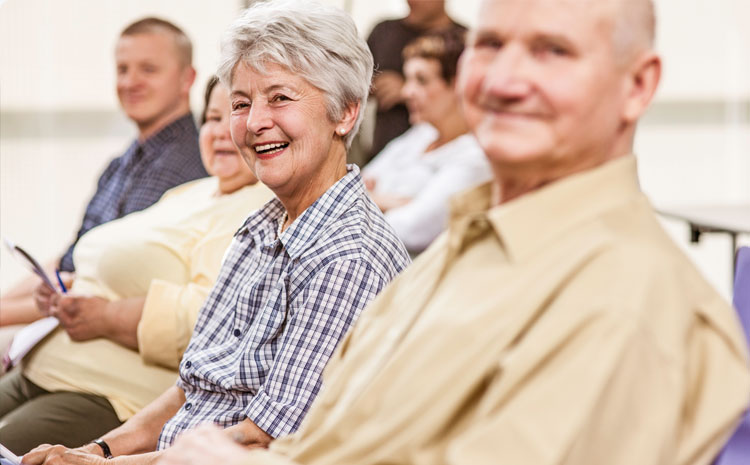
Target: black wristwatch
[105,448]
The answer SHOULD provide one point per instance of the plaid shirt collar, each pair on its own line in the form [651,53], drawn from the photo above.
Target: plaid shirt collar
[298,237]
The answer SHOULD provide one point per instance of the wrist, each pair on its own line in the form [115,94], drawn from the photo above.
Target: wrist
[101,448]
[109,327]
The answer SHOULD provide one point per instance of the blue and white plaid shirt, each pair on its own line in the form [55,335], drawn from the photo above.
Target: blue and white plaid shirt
[140,176]
[279,308]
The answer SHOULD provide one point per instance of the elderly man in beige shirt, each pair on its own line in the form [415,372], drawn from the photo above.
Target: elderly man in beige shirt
[555,322]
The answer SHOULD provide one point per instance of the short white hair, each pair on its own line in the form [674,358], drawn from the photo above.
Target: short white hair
[319,43]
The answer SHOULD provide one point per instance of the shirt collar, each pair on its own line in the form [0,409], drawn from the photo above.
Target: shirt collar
[311,223]
[154,145]
[525,224]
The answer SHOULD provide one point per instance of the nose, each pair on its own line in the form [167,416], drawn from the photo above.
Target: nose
[508,74]
[259,118]
[223,129]
[407,91]
[127,79]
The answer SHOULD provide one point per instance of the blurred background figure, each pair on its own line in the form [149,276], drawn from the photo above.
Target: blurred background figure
[387,41]
[154,76]
[140,283]
[413,178]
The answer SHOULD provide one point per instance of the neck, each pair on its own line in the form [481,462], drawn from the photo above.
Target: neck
[149,128]
[513,182]
[449,128]
[300,199]
[438,22]
[229,186]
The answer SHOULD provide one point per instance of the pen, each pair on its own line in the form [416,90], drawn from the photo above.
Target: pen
[60,282]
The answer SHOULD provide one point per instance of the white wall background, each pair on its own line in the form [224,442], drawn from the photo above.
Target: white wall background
[59,120]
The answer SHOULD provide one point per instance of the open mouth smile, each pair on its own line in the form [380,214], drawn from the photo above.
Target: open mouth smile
[270,149]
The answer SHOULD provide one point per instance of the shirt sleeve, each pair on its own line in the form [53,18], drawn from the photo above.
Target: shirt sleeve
[171,310]
[421,220]
[329,305]
[608,395]
[66,261]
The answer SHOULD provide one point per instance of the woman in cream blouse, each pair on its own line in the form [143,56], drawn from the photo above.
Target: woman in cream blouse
[139,286]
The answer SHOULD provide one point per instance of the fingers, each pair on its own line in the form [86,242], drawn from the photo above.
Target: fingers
[387,89]
[77,457]
[43,454]
[47,454]
[42,298]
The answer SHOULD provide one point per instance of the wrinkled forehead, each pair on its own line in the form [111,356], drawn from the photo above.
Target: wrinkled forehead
[577,20]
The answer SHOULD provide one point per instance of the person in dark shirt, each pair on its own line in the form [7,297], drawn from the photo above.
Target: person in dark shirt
[386,41]
[154,76]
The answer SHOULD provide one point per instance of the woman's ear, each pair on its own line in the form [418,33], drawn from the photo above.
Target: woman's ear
[346,123]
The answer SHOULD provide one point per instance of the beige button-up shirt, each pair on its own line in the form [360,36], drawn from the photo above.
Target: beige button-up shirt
[563,327]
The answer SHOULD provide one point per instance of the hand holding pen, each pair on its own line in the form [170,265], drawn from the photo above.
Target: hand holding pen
[60,282]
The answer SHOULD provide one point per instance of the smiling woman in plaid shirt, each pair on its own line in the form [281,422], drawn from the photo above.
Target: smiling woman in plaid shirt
[300,269]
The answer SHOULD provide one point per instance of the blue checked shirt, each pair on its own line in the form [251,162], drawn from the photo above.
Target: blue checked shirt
[279,308]
[139,177]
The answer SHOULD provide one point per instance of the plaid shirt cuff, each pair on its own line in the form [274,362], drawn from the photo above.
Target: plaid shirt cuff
[273,417]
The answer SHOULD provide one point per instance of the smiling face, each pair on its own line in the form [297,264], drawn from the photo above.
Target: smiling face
[153,85]
[219,154]
[541,87]
[428,96]
[280,124]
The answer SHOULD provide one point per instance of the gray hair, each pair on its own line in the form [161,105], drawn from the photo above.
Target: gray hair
[318,43]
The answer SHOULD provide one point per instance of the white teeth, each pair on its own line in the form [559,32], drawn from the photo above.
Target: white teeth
[267,147]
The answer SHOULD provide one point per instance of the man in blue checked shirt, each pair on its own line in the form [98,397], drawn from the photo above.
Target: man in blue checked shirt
[154,76]
[301,269]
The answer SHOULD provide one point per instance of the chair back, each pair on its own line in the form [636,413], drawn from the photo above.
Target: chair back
[737,450]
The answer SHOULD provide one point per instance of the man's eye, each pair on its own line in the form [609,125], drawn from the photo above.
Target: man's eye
[239,105]
[488,43]
[280,98]
[551,49]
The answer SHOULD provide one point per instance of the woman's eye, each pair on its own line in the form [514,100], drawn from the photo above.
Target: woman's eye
[280,98]
[239,105]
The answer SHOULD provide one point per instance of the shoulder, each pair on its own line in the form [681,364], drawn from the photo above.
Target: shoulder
[643,277]
[386,26]
[362,234]
[202,188]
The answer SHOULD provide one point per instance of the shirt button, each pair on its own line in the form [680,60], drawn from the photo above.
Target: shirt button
[188,406]
[237,333]
[188,364]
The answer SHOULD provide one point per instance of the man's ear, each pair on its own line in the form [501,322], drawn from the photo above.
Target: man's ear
[346,123]
[642,81]
[188,78]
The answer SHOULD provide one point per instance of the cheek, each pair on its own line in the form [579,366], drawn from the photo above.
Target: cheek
[238,129]
[205,142]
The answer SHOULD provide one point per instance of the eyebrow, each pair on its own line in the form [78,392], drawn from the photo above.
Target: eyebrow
[274,87]
[237,93]
[271,88]
[554,38]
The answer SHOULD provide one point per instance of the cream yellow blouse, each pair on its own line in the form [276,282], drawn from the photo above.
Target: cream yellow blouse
[171,253]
